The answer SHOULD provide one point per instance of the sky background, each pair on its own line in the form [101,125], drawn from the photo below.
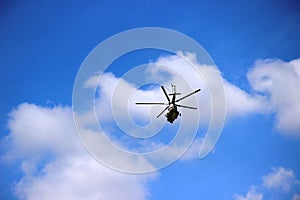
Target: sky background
[43,45]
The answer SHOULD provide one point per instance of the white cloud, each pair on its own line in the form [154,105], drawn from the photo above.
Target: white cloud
[252,194]
[166,70]
[193,150]
[54,163]
[238,102]
[117,96]
[120,95]
[275,85]
[241,103]
[280,82]
[296,197]
[280,183]
[34,129]
[266,78]
[80,177]
[52,159]
[184,73]
[280,179]
[44,138]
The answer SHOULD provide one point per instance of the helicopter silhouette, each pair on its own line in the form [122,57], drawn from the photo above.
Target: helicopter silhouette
[172,105]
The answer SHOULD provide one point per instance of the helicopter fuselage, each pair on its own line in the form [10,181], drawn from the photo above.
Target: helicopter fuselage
[172,113]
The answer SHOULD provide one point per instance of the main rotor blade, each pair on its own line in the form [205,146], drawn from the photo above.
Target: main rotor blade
[186,106]
[162,87]
[146,103]
[162,112]
[188,95]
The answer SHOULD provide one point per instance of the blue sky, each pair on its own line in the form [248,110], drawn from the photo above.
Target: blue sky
[44,43]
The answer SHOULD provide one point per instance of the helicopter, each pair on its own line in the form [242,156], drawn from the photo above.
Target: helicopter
[172,105]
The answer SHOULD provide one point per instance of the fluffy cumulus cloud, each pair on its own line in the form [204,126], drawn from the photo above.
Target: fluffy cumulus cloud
[117,95]
[280,182]
[274,86]
[275,89]
[185,66]
[55,166]
[252,194]
[54,163]
[181,69]
[296,197]
[279,82]
[35,130]
[280,179]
